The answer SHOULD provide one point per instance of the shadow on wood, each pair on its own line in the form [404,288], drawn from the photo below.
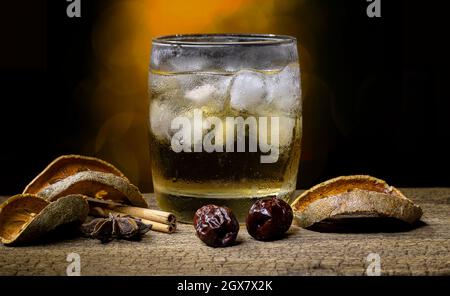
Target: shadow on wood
[364,225]
[62,233]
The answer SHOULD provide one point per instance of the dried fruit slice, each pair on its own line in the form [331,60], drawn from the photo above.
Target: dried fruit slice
[353,196]
[95,184]
[67,165]
[27,217]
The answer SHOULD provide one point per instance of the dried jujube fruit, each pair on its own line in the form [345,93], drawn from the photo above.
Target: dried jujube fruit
[216,226]
[269,219]
[74,174]
[26,218]
[357,196]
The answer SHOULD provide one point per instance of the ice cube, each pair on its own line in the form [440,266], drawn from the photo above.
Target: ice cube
[286,127]
[248,90]
[201,90]
[161,115]
[163,84]
[284,89]
[201,94]
[221,94]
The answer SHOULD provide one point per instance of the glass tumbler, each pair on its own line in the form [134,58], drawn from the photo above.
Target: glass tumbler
[225,120]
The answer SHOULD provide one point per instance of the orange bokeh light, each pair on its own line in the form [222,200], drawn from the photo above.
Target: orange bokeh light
[122,41]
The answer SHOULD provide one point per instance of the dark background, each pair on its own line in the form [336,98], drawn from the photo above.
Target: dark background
[388,116]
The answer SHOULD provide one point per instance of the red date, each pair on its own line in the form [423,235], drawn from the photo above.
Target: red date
[269,219]
[216,226]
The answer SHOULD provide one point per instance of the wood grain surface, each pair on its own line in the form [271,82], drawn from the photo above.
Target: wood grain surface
[424,250]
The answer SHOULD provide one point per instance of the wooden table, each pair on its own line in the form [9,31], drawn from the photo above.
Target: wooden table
[422,251]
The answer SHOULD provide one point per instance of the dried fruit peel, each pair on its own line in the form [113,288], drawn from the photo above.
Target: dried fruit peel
[358,202]
[355,196]
[90,183]
[25,218]
[68,165]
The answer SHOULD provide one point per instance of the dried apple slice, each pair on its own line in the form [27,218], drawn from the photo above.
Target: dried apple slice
[95,184]
[24,218]
[68,165]
[353,196]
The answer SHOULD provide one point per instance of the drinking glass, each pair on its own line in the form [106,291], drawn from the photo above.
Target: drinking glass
[225,120]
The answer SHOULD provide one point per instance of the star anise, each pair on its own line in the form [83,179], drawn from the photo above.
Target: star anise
[115,227]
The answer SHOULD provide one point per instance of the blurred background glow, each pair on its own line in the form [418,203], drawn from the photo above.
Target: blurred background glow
[375,91]
[121,41]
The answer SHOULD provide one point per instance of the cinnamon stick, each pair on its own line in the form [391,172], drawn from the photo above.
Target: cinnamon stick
[166,228]
[148,214]
[156,226]
[145,213]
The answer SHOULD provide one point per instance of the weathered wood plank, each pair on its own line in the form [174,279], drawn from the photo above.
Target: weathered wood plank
[422,251]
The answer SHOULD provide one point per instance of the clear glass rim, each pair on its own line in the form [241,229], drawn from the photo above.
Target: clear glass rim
[223,39]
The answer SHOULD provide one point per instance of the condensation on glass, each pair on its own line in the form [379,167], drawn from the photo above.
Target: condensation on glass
[219,77]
